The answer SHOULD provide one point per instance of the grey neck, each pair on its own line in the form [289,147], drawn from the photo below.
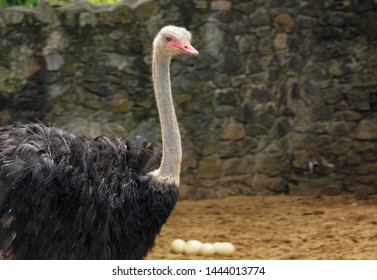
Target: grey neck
[171,141]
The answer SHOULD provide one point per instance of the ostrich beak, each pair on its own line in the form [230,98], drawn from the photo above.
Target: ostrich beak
[186,48]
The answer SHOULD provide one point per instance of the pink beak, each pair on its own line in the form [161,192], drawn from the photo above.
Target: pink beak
[186,48]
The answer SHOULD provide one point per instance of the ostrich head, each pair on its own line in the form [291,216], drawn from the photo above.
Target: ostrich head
[173,40]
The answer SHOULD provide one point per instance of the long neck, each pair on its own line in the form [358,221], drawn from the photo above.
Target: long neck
[171,140]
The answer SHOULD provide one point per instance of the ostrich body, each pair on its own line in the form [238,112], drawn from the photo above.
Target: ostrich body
[64,196]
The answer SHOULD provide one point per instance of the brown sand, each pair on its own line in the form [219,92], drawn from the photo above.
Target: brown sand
[276,227]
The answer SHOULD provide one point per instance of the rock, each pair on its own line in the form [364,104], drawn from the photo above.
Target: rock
[281,128]
[253,64]
[331,33]
[46,14]
[265,119]
[57,90]
[316,186]
[340,146]
[233,130]
[341,128]
[146,9]
[5,117]
[247,44]
[232,62]
[366,169]
[221,80]
[246,8]
[263,183]
[269,164]
[117,60]
[88,19]
[280,41]
[13,16]
[294,64]
[201,4]
[95,129]
[227,97]
[225,111]
[116,35]
[255,130]
[359,99]
[265,45]
[210,168]
[260,95]
[221,5]
[284,22]
[366,5]
[121,13]
[277,59]
[259,18]
[273,74]
[244,113]
[54,61]
[366,130]
[306,21]
[121,105]
[228,149]
[238,166]
[321,113]
[335,68]
[263,31]
[362,190]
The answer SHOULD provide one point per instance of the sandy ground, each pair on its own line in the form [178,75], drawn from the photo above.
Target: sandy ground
[277,227]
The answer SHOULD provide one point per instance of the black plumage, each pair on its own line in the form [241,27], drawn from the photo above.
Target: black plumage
[64,196]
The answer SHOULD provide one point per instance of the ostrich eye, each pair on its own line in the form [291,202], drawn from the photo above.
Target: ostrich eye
[167,38]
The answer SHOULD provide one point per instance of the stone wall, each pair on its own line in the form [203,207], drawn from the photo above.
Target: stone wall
[282,99]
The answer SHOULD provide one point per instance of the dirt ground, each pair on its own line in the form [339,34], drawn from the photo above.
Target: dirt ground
[276,227]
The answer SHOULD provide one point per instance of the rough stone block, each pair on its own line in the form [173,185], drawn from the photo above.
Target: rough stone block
[210,168]
[54,61]
[366,130]
[262,183]
[259,18]
[238,166]
[220,5]
[359,99]
[280,41]
[284,22]
[316,186]
[233,130]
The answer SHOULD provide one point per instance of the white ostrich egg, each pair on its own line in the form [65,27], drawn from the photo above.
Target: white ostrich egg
[178,246]
[216,245]
[207,249]
[225,249]
[193,247]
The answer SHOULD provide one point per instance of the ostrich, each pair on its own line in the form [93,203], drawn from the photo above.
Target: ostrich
[66,196]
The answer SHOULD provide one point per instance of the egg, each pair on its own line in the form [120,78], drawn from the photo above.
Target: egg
[225,249]
[216,245]
[207,249]
[192,247]
[178,246]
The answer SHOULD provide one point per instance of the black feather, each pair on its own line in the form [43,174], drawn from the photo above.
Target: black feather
[64,196]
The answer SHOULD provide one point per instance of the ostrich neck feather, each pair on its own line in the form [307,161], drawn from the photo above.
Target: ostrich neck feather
[171,141]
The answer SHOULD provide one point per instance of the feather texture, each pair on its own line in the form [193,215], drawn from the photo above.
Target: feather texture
[64,196]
